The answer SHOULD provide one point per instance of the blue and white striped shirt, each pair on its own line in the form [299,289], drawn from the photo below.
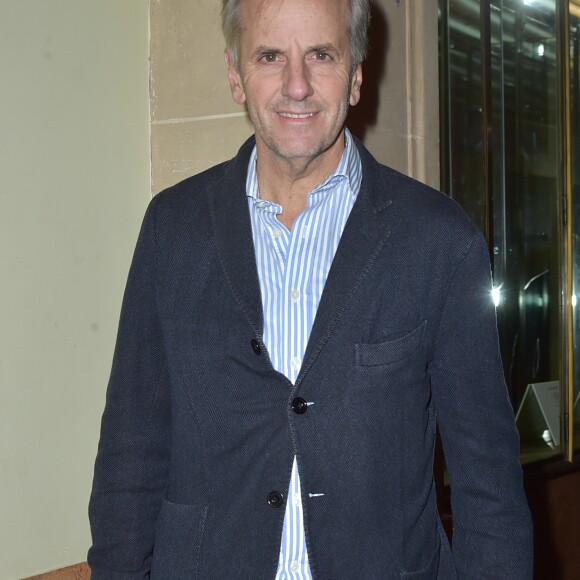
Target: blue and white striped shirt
[292,268]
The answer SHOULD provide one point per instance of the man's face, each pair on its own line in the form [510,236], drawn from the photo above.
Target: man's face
[295,75]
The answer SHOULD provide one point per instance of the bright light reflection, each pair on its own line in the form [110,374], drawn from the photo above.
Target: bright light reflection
[547,437]
[495,295]
[573,300]
[541,50]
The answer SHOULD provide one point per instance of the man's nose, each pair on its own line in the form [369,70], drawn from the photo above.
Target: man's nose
[297,83]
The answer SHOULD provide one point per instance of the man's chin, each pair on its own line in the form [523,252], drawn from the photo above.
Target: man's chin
[302,149]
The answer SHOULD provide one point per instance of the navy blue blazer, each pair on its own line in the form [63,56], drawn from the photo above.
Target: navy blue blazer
[199,430]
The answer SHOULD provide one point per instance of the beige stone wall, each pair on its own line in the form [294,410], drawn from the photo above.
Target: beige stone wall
[406,134]
[195,123]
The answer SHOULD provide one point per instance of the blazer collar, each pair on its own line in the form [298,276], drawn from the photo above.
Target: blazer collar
[233,233]
[364,236]
[362,240]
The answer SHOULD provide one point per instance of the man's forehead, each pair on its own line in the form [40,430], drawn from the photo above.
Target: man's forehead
[258,9]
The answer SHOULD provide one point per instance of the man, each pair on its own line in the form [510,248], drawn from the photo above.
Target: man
[295,323]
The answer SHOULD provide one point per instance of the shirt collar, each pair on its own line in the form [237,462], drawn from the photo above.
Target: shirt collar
[349,168]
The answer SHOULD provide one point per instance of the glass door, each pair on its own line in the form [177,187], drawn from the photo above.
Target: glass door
[574,100]
[502,154]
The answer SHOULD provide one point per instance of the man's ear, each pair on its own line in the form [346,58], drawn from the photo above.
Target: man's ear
[355,85]
[238,93]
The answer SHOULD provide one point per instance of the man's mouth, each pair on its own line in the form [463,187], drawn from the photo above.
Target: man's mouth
[297,115]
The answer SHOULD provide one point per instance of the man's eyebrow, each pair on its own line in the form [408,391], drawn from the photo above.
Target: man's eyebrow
[325,47]
[266,50]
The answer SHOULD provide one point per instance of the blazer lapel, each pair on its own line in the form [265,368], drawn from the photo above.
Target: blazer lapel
[233,233]
[363,237]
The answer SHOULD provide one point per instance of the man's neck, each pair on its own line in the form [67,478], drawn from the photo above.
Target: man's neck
[287,182]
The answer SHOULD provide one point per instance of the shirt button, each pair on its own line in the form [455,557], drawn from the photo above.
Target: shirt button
[295,362]
[256,346]
[295,566]
[299,406]
[295,294]
[297,499]
[275,499]
[276,233]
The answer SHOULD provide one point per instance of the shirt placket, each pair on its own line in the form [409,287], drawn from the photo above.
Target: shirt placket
[296,280]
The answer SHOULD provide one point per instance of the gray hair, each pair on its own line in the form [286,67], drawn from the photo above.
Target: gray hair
[360,16]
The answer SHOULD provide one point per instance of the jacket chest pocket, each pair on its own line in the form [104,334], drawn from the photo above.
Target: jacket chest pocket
[390,351]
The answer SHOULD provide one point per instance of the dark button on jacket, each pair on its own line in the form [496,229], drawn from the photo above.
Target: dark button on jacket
[256,346]
[275,499]
[299,406]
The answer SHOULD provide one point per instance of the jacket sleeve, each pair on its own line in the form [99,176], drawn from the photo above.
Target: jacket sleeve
[492,534]
[132,461]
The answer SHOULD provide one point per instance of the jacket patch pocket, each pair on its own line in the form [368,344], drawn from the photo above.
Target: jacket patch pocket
[428,572]
[178,537]
[390,351]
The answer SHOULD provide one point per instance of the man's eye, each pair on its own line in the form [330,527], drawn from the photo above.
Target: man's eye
[321,55]
[269,57]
